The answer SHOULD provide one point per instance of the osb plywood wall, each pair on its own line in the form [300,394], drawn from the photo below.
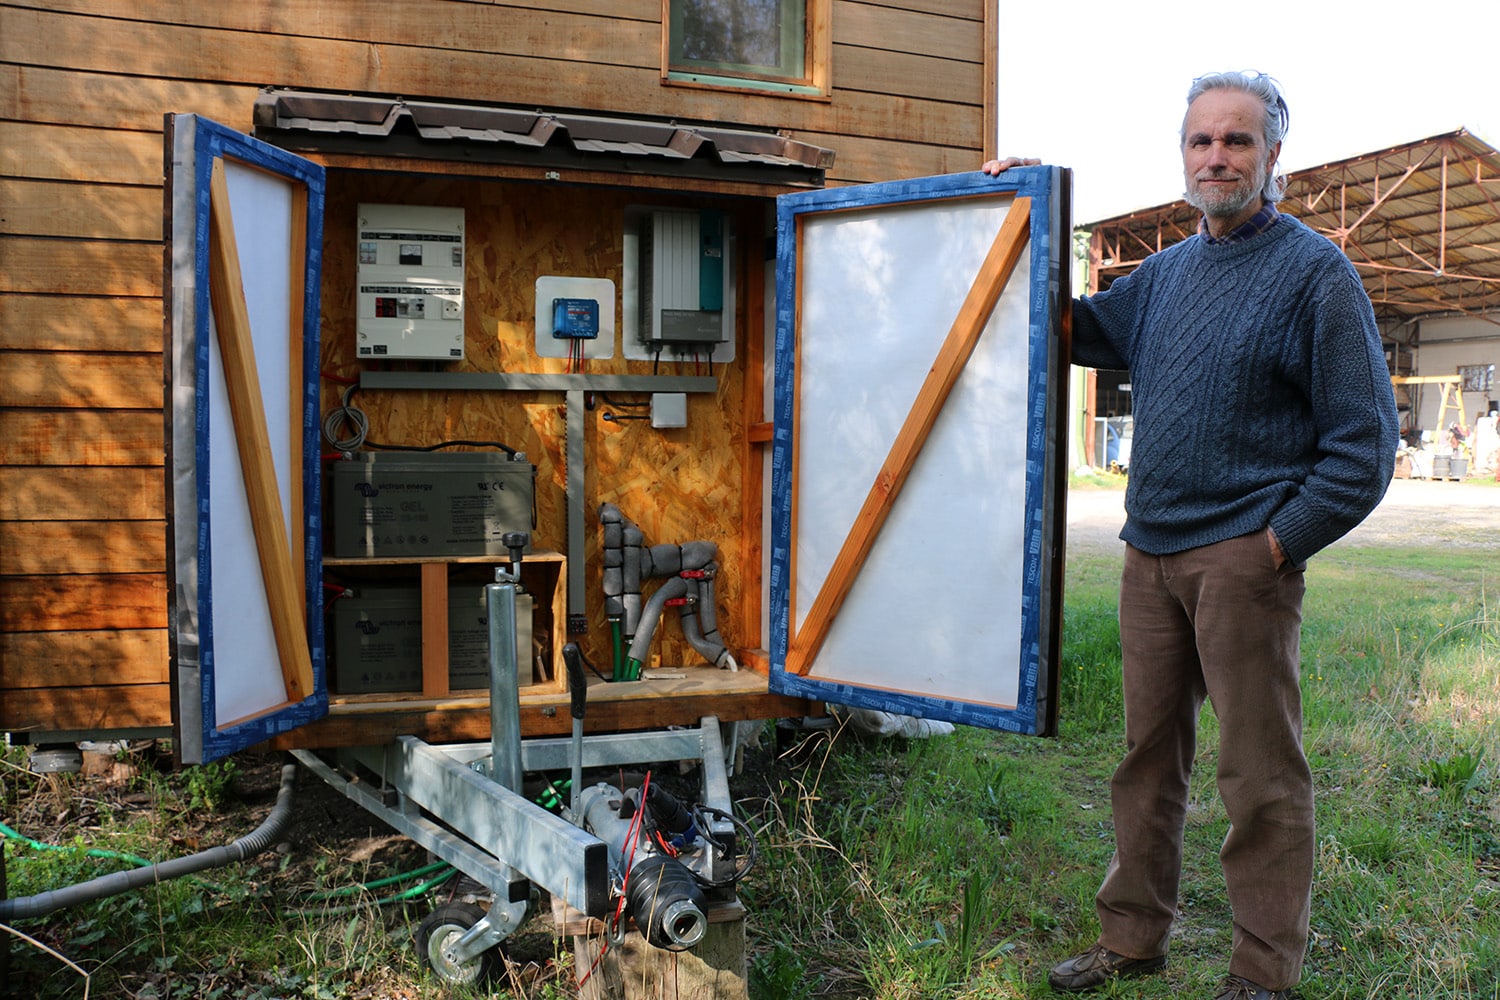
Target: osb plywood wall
[84,85]
[678,485]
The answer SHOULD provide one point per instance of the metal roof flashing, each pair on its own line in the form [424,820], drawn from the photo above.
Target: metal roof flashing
[305,122]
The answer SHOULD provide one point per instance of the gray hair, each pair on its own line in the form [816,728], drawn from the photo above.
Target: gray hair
[1277,119]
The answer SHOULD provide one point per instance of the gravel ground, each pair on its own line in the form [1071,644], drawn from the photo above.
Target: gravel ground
[1414,512]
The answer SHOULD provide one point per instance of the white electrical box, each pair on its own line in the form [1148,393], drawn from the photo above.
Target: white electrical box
[560,302]
[668,409]
[411,282]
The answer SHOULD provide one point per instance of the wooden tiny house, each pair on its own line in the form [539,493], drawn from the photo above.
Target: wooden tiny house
[544,123]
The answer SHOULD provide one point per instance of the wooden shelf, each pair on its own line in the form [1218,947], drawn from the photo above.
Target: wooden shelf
[649,703]
[541,556]
[542,574]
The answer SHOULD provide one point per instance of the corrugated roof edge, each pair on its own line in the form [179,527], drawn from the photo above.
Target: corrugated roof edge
[395,126]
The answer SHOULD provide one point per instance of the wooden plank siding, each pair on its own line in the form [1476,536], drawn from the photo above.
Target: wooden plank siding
[605,64]
[84,85]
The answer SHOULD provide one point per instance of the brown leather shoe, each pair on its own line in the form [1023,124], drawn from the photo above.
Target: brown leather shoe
[1240,988]
[1096,967]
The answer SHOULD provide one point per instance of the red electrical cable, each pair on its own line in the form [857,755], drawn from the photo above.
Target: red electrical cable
[632,835]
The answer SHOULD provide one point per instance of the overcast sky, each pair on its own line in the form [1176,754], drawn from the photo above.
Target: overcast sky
[1099,85]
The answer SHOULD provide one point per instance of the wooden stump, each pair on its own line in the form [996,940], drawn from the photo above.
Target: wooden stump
[634,970]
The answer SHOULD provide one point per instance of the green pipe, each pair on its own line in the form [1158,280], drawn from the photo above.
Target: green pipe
[414,892]
[93,852]
[617,649]
[352,890]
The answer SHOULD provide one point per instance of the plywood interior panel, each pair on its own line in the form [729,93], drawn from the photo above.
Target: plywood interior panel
[678,485]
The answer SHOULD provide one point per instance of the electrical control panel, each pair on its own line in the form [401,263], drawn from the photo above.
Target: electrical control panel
[410,282]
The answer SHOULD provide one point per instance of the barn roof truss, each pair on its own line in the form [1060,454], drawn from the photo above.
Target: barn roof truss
[1420,222]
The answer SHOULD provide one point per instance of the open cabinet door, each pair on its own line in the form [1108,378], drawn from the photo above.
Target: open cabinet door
[244,225]
[919,455]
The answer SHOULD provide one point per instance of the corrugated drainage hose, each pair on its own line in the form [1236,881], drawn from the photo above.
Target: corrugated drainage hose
[113,884]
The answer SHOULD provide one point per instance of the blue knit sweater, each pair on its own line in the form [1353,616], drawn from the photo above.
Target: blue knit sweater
[1261,394]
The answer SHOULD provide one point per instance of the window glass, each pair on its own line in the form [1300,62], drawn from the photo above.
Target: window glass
[738,39]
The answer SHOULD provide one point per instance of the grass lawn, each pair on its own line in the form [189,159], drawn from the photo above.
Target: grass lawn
[965,867]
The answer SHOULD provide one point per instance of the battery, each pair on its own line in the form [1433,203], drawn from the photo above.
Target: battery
[469,638]
[377,639]
[386,504]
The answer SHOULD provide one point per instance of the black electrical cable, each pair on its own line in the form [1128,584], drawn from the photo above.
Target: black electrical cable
[702,814]
[590,664]
[441,445]
[346,412]
[622,403]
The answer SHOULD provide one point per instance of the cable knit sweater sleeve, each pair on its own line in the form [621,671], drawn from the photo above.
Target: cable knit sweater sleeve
[1261,395]
[1354,413]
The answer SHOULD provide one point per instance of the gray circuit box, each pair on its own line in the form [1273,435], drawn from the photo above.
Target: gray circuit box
[377,641]
[386,504]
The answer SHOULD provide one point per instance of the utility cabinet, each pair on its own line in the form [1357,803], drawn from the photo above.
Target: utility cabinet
[401,479]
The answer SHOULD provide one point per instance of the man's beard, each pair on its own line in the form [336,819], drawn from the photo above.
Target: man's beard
[1219,204]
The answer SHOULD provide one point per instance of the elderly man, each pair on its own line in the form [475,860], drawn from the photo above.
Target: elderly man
[1265,428]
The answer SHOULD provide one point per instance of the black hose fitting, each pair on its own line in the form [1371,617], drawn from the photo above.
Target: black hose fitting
[666,903]
[671,818]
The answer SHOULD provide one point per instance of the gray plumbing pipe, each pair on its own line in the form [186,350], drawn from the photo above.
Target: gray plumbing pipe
[115,883]
[700,624]
[640,646]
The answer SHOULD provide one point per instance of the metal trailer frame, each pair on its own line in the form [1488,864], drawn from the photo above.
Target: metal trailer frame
[443,798]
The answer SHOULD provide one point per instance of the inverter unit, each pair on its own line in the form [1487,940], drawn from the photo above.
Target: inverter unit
[684,281]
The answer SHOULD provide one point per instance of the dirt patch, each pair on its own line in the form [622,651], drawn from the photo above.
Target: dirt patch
[1414,512]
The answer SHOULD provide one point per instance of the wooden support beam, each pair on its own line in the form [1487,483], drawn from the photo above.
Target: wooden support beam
[434,629]
[954,354]
[296,322]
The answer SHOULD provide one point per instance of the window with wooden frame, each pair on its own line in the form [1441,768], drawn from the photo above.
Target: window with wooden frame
[781,46]
[1476,378]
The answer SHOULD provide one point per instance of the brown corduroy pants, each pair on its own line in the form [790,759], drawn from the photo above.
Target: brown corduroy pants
[1224,622]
